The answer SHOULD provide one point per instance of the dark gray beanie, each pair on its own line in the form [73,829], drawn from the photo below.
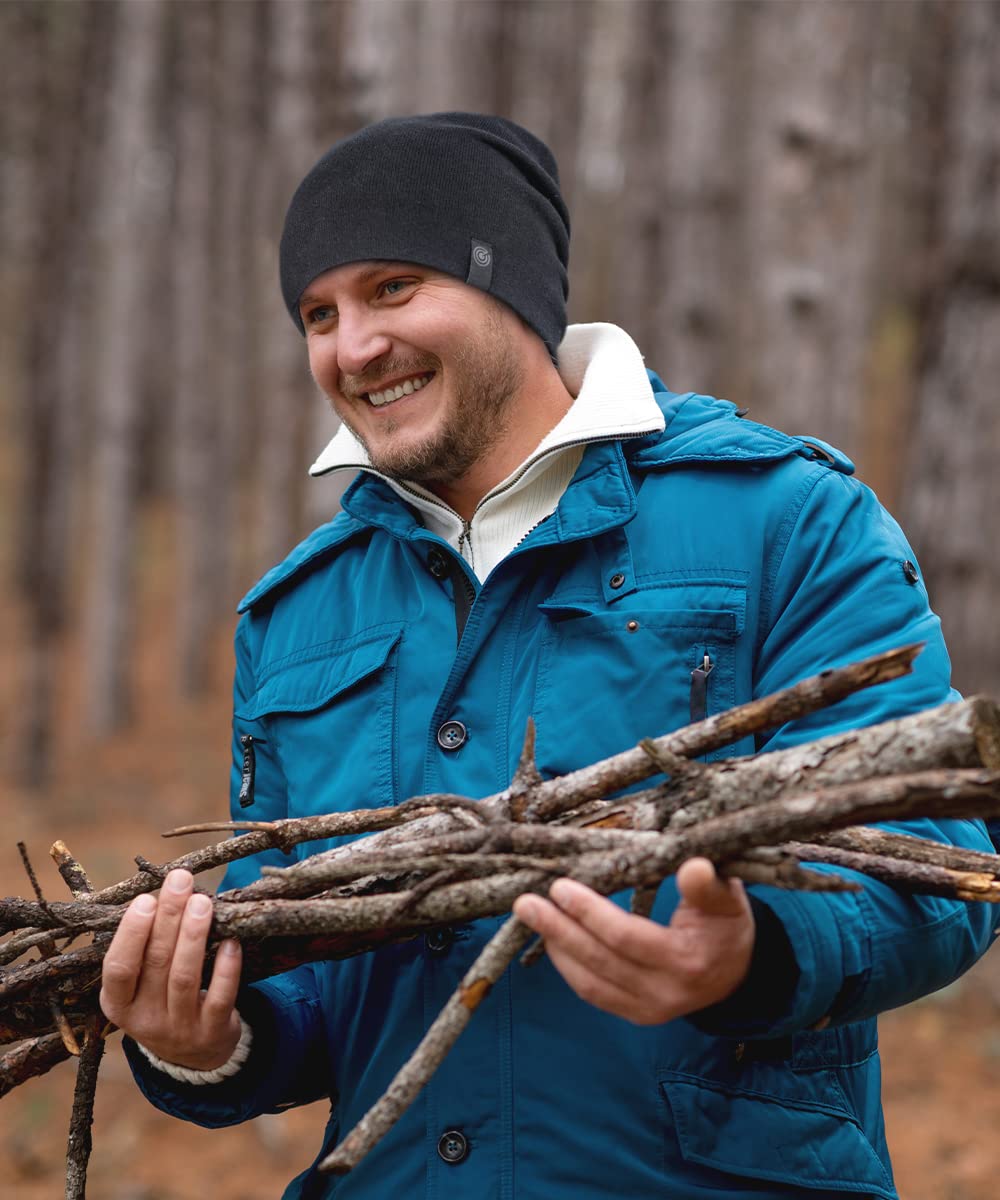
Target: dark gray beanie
[472,195]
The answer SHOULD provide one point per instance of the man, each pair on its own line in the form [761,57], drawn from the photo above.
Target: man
[539,528]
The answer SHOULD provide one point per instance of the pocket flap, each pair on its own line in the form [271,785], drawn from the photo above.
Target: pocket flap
[696,603]
[796,1139]
[312,678]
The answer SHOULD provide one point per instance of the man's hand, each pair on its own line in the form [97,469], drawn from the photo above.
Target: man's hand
[637,969]
[152,978]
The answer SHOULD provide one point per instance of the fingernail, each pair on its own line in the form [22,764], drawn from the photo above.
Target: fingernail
[229,947]
[526,909]
[177,881]
[144,904]
[199,905]
[561,892]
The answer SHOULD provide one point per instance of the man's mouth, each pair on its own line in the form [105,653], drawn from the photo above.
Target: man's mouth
[406,388]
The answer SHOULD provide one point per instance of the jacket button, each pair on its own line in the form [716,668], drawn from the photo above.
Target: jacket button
[439,941]
[453,1146]
[437,564]
[452,735]
[617,579]
[910,571]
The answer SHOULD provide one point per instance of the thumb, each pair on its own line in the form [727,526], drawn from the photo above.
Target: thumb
[701,888]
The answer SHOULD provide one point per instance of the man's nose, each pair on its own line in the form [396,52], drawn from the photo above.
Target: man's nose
[361,339]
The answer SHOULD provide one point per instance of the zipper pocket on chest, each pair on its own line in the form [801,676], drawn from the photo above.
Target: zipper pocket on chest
[699,689]
[249,771]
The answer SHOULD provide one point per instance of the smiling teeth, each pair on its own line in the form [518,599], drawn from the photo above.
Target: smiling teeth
[406,388]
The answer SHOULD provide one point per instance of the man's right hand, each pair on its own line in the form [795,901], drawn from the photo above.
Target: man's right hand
[152,978]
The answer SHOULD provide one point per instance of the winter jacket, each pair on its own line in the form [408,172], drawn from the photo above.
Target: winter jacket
[372,666]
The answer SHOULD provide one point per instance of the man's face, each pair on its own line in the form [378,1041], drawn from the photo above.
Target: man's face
[421,367]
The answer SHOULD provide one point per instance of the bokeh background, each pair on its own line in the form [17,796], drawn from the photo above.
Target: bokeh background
[792,203]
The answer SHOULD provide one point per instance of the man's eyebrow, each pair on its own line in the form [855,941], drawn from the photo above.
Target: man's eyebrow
[308,298]
[377,267]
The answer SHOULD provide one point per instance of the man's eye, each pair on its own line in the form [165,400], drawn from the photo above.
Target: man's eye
[392,287]
[319,314]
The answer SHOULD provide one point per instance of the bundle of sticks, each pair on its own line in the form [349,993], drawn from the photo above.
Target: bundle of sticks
[443,859]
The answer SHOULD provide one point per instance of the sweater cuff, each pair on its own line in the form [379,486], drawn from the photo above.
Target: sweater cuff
[188,1075]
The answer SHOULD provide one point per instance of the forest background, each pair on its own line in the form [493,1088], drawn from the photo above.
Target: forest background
[791,203]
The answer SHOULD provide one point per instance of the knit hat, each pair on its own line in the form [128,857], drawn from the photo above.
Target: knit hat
[472,195]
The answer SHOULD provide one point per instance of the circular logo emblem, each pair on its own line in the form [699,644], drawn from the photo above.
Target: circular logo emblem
[482,256]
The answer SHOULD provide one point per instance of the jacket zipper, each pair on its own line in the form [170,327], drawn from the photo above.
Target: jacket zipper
[699,689]
[249,772]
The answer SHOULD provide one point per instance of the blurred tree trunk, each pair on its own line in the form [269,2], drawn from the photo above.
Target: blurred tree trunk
[637,278]
[694,307]
[906,98]
[343,90]
[379,59]
[200,483]
[591,163]
[808,217]
[59,51]
[456,58]
[236,137]
[953,495]
[284,390]
[124,302]
[552,49]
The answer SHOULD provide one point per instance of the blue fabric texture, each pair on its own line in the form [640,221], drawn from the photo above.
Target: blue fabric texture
[735,541]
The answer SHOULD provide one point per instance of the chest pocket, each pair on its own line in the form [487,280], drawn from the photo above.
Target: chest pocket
[610,675]
[326,713]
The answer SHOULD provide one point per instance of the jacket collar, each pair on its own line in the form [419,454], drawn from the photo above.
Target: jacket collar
[600,497]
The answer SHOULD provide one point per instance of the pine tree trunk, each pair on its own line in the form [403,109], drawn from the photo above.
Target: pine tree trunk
[284,388]
[953,495]
[199,485]
[123,299]
[694,310]
[808,180]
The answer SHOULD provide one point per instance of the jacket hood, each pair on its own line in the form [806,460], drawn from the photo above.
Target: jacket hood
[704,429]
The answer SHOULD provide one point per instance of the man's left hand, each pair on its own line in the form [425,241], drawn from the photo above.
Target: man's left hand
[633,967]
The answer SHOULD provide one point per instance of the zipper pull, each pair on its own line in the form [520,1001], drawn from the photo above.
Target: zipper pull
[465,543]
[249,770]
[699,689]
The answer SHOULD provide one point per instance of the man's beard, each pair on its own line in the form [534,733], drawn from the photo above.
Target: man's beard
[484,378]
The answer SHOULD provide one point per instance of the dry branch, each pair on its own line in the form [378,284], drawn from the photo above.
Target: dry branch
[82,1116]
[441,860]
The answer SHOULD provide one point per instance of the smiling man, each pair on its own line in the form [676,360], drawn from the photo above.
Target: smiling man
[540,528]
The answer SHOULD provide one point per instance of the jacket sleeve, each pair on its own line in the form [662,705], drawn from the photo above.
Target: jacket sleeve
[288,1056]
[842,584]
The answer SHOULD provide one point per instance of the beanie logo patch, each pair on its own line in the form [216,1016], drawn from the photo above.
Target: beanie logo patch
[480,266]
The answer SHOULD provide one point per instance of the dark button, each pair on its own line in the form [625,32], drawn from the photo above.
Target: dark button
[910,571]
[439,941]
[437,564]
[452,735]
[617,579]
[453,1146]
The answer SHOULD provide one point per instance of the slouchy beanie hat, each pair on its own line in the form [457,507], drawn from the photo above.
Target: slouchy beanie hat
[472,195]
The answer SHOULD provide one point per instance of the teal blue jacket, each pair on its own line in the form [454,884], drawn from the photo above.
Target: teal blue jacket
[718,539]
